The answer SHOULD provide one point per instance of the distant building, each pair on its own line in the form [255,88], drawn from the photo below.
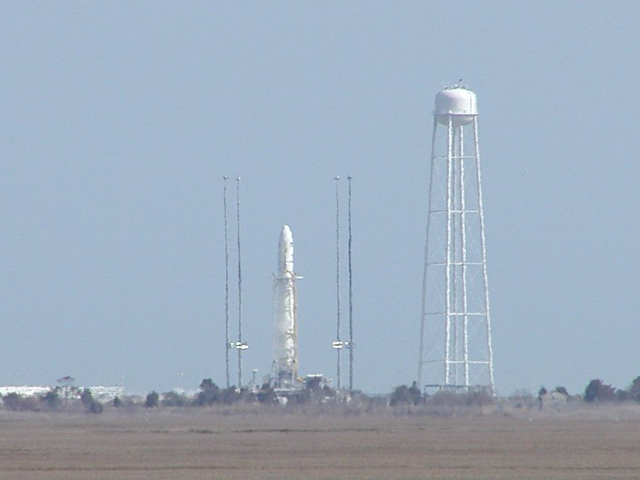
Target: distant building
[99,393]
[24,390]
[553,399]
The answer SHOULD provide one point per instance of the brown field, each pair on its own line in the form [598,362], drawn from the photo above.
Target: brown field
[222,444]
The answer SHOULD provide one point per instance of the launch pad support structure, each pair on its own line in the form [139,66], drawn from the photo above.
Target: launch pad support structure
[456,352]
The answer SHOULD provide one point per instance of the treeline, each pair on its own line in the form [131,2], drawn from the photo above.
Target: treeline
[597,391]
[315,392]
[56,399]
[209,394]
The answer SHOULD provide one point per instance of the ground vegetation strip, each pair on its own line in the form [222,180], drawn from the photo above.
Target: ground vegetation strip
[592,443]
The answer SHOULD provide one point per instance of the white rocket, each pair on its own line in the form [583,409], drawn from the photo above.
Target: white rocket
[285,363]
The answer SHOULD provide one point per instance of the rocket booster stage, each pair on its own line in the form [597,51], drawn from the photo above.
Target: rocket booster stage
[285,363]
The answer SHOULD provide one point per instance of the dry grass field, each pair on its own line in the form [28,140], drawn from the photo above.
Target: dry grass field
[218,444]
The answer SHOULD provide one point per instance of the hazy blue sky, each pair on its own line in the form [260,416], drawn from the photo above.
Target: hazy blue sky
[119,119]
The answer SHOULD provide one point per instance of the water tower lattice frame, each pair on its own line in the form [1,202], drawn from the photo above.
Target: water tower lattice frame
[456,351]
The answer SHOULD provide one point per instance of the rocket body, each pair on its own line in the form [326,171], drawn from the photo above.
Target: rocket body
[285,364]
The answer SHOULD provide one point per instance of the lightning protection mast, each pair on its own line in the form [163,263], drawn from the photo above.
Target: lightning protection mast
[455,330]
[240,345]
[226,284]
[350,345]
[338,344]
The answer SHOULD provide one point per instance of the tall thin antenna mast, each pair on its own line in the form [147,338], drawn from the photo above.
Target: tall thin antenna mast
[239,343]
[351,345]
[226,283]
[338,344]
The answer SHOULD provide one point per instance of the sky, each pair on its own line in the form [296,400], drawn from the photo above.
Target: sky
[118,121]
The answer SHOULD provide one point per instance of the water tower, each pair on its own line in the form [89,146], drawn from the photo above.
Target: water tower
[455,331]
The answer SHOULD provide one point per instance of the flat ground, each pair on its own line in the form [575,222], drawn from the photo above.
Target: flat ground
[216,444]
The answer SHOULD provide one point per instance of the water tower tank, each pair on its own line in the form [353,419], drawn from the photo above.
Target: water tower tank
[458,102]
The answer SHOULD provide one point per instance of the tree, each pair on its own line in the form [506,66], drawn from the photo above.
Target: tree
[209,393]
[266,395]
[230,395]
[66,381]
[634,390]
[597,391]
[174,399]
[623,396]
[86,397]
[404,394]
[95,407]
[414,393]
[152,399]
[16,402]
[12,401]
[90,405]
[51,400]
[66,386]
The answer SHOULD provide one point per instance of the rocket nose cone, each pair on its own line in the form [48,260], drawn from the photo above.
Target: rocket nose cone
[285,251]
[286,234]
